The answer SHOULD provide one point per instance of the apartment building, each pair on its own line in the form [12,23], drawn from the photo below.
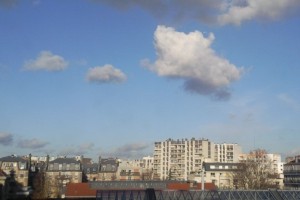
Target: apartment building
[60,172]
[177,159]
[227,153]
[292,173]
[16,167]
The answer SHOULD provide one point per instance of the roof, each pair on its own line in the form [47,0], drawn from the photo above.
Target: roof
[65,160]
[90,168]
[217,166]
[108,165]
[76,190]
[12,159]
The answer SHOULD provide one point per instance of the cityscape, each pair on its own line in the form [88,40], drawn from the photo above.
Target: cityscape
[149,99]
[175,164]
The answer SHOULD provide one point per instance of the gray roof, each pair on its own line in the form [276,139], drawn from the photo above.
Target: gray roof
[64,160]
[12,159]
[91,168]
[108,165]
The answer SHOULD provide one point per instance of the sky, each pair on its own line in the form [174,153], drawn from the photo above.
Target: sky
[110,77]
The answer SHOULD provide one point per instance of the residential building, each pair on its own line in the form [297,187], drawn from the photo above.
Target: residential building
[291,173]
[17,167]
[90,172]
[177,159]
[60,172]
[227,153]
[219,174]
[17,171]
[107,169]
[129,170]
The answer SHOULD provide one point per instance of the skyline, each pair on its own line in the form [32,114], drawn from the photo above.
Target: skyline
[100,77]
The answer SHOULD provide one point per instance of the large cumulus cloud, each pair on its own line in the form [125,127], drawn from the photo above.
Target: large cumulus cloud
[189,57]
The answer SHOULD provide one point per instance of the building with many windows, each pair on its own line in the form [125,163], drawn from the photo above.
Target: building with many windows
[227,153]
[292,174]
[177,159]
[60,172]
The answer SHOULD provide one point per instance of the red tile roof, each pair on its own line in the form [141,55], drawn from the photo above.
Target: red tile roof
[76,190]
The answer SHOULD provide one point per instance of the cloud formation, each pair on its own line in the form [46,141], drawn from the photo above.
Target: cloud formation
[210,11]
[239,11]
[135,150]
[6,139]
[8,3]
[77,150]
[46,61]
[32,144]
[189,57]
[176,10]
[105,74]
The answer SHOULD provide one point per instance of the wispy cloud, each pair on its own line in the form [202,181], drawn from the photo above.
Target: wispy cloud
[46,61]
[175,10]
[105,74]
[135,150]
[6,139]
[8,3]
[77,150]
[190,57]
[213,11]
[289,101]
[32,144]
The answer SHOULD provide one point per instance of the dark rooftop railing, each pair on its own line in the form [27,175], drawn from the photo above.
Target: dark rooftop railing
[151,194]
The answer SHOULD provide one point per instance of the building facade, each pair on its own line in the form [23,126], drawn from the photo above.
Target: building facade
[59,173]
[177,159]
[220,174]
[292,174]
[227,153]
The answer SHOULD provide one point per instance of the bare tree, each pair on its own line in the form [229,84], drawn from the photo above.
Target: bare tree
[40,186]
[255,171]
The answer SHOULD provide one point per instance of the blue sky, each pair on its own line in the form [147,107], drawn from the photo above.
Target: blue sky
[100,77]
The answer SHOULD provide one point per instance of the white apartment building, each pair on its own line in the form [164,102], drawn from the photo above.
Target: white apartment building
[177,159]
[227,153]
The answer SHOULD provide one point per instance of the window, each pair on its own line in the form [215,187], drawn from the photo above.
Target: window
[213,175]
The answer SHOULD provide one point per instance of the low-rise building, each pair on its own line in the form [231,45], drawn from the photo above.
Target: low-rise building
[219,174]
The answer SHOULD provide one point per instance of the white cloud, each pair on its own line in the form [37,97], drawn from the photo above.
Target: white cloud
[105,74]
[32,144]
[239,11]
[6,138]
[190,57]
[46,61]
